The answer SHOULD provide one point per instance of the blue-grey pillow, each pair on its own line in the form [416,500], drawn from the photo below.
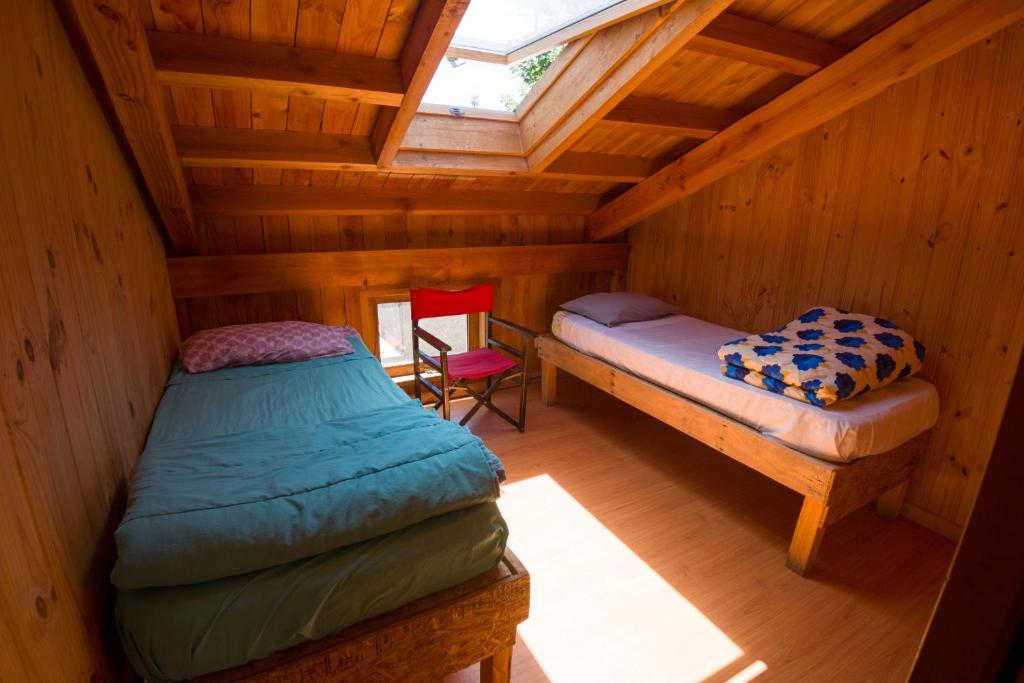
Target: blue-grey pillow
[615,308]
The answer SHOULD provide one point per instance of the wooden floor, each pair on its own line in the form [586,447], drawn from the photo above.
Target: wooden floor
[655,559]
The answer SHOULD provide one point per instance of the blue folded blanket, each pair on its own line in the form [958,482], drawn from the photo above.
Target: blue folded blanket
[224,505]
[825,355]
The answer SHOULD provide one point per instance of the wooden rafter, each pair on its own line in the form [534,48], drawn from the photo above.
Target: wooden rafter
[284,200]
[662,117]
[922,38]
[223,275]
[113,34]
[610,67]
[204,61]
[573,166]
[209,146]
[432,31]
[753,42]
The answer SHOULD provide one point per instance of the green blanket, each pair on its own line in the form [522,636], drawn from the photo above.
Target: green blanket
[179,632]
[329,455]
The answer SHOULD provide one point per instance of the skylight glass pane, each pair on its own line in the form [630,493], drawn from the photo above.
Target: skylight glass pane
[503,25]
[468,83]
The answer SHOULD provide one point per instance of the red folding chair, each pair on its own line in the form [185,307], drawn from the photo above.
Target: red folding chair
[459,369]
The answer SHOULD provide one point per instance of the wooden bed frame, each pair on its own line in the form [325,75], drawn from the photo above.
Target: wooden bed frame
[831,491]
[421,642]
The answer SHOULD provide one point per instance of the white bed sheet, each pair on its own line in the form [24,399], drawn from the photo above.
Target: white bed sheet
[680,354]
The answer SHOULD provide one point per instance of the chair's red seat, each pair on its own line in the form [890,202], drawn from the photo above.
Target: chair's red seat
[477,364]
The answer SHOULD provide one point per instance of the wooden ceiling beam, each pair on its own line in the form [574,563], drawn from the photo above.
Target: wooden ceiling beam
[430,36]
[284,200]
[663,117]
[225,275]
[248,147]
[573,166]
[924,37]
[210,62]
[113,35]
[745,40]
[207,146]
[609,68]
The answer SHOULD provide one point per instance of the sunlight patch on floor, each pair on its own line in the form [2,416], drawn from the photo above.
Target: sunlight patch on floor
[598,612]
[749,673]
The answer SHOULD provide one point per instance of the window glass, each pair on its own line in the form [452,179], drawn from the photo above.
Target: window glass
[394,320]
[504,25]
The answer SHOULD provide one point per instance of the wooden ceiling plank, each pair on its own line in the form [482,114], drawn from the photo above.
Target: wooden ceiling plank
[924,37]
[206,146]
[431,34]
[618,168]
[252,200]
[412,161]
[250,274]
[575,166]
[745,40]
[210,147]
[615,62]
[664,117]
[447,133]
[204,61]
[113,34]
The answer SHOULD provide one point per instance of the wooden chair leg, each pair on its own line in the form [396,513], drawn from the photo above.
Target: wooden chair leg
[498,667]
[890,502]
[810,527]
[548,382]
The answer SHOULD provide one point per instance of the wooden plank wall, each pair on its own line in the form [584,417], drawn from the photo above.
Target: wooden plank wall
[529,300]
[910,206]
[87,331]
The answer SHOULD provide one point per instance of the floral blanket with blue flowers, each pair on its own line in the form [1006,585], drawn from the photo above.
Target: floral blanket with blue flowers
[825,355]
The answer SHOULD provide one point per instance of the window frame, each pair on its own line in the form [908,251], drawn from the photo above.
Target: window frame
[476,324]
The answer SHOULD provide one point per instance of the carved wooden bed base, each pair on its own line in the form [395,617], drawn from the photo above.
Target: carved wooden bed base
[831,491]
[421,642]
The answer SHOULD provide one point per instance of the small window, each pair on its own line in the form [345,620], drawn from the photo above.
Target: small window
[394,324]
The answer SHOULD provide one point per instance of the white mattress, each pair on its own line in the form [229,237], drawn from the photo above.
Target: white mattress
[680,354]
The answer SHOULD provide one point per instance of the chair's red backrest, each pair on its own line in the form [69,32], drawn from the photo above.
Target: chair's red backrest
[433,303]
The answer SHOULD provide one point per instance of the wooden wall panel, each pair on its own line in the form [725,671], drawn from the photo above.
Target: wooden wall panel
[529,300]
[911,206]
[87,330]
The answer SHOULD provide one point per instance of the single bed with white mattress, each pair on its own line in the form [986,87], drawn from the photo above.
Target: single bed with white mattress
[679,353]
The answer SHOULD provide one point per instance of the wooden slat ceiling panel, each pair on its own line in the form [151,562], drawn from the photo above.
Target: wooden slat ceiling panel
[712,81]
[709,80]
[623,141]
[828,20]
[379,28]
[409,180]
[363,27]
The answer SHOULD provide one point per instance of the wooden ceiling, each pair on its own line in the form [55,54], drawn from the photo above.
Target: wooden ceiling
[322,99]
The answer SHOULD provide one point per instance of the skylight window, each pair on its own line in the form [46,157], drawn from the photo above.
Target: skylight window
[505,25]
[469,83]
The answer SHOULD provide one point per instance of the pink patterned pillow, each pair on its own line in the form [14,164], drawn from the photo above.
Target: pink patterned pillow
[263,343]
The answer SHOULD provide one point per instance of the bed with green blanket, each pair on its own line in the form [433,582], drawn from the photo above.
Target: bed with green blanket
[278,504]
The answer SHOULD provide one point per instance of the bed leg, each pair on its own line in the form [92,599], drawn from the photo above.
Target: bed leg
[810,527]
[498,667]
[548,382]
[890,502]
